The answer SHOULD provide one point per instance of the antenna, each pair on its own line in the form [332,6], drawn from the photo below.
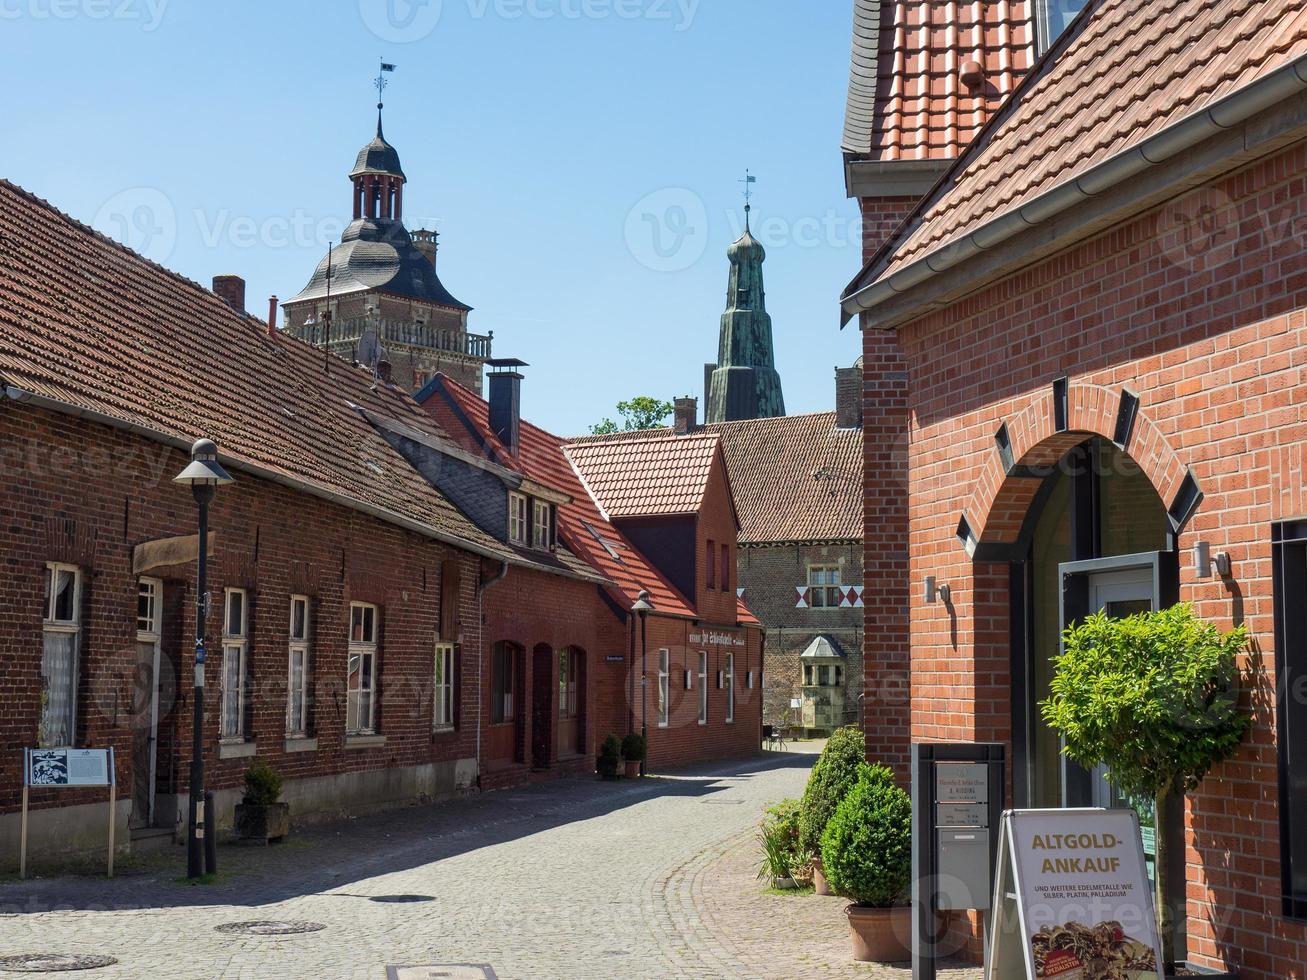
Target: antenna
[748,182]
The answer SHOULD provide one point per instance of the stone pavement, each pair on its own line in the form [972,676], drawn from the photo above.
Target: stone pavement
[573,879]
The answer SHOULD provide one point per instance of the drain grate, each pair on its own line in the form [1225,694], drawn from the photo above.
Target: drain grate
[53,962]
[270,927]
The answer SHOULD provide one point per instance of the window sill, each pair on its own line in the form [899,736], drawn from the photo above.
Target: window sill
[662,724]
[364,741]
[301,743]
[444,730]
[237,750]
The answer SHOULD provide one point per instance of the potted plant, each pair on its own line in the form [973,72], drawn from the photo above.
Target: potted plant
[866,851]
[610,757]
[833,775]
[260,816]
[634,748]
[1155,698]
[785,863]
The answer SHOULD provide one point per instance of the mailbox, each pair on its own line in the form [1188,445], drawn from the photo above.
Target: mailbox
[964,870]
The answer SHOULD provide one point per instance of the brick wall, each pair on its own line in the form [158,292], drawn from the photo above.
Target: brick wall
[1207,322]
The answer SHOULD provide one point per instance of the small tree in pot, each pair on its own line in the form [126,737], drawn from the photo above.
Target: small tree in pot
[634,749]
[1155,698]
[866,851]
[833,775]
[610,757]
[260,816]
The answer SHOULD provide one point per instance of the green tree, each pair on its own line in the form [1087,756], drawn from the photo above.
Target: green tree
[833,775]
[1154,698]
[641,412]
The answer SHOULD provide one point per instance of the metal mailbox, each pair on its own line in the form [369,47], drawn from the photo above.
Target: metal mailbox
[964,870]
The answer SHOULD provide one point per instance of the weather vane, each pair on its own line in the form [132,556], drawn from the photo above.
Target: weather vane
[748,182]
[380,82]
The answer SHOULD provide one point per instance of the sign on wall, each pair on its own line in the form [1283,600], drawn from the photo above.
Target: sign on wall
[68,767]
[1073,899]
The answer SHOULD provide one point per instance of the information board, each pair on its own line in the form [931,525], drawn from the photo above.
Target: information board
[68,767]
[1073,899]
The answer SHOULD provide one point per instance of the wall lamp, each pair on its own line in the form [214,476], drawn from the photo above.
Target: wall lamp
[935,593]
[1205,560]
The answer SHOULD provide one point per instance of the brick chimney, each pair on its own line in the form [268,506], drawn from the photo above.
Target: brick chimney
[428,243]
[506,400]
[232,290]
[687,416]
[848,397]
[272,316]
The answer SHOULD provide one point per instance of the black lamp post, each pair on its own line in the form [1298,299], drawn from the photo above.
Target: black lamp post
[204,475]
[641,608]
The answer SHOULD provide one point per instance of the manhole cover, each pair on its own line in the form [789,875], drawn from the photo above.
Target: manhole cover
[401,899]
[53,962]
[270,927]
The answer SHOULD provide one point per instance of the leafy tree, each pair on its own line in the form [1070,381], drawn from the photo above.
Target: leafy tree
[833,775]
[641,412]
[1155,698]
[866,849]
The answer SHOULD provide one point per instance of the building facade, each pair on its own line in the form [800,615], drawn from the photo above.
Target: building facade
[1091,332]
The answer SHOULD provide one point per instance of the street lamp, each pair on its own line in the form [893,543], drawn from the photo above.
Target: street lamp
[641,608]
[204,475]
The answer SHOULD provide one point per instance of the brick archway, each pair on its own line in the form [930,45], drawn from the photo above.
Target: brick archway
[1027,444]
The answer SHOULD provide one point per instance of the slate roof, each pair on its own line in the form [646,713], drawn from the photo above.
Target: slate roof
[378,157]
[92,325]
[1123,74]
[907,100]
[773,465]
[649,478]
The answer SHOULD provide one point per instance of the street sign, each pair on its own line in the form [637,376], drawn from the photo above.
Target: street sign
[1072,895]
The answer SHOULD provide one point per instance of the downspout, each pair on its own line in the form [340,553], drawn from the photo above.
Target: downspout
[482,589]
[630,678]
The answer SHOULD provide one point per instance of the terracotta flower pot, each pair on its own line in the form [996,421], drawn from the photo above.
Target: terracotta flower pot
[819,883]
[880,935]
[632,768]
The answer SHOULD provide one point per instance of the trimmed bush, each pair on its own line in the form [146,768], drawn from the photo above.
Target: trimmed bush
[866,849]
[634,747]
[831,778]
[610,756]
[262,785]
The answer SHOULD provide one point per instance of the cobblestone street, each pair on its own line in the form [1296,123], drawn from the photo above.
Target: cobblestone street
[573,879]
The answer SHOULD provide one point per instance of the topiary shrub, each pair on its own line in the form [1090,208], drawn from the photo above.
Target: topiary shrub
[610,756]
[634,747]
[262,785]
[866,849]
[831,779]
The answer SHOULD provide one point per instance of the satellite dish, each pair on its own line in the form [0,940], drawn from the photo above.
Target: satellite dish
[369,349]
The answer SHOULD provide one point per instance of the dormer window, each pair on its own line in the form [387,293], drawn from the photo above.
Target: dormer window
[1052,17]
[517,518]
[542,525]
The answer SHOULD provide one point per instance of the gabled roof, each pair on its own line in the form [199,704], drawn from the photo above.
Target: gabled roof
[794,478]
[582,527]
[1124,74]
[91,328]
[648,478]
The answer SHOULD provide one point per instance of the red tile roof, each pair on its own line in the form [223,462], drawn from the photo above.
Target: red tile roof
[1133,70]
[91,325]
[794,478]
[581,525]
[907,97]
[649,478]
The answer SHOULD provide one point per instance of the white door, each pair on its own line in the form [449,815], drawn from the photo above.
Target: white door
[145,700]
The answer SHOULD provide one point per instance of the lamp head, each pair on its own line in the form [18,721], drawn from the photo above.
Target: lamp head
[204,469]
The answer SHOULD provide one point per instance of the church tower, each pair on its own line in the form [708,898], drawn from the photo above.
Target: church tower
[376,298]
[743,384]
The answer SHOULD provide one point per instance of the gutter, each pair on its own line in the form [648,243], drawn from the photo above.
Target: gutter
[1224,114]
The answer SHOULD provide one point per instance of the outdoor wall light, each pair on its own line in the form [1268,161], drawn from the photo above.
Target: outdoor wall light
[935,593]
[1205,559]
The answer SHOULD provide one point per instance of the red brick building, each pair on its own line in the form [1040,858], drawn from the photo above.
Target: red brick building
[1084,350]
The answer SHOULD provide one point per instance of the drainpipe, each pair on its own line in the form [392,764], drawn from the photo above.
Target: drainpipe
[630,678]
[482,589]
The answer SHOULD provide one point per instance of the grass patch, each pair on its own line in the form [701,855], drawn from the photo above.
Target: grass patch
[208,878]
[791,892]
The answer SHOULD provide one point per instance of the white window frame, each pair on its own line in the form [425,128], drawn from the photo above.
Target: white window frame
[517,518]
[541,513]
[664,687]
[824,589]
[234,645]
[361,714]
[442,703]
[703,688]
[72,626]
[566,684]
[1044,23]
[730,689]
[298,647]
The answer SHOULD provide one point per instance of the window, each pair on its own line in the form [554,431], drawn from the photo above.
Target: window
[517,518]
[542,536]
[61,638]
[297,670]
[360,694]
[147,607]
[501,684]
[824,590]
[235,664]
[1289,569]
[567,668]
[712,565]
[703,688]
[726,568]
[1053,17]
[730,688]
[664,687]
[443,709]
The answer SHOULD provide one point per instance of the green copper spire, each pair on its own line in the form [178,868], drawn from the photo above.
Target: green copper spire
[744,384]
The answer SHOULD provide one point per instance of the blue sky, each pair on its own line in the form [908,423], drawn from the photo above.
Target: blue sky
[581,159]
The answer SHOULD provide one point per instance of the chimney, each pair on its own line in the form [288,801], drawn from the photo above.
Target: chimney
[506,400]
[687,415]
[848,397]
[232,290]
[428,243]
[272,315]
[385,372]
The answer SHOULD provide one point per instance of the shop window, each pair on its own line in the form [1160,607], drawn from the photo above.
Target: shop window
[443,709]
[824,586]
[60,647]
[502,708]
[235,664]
[297,680]
[360,701]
